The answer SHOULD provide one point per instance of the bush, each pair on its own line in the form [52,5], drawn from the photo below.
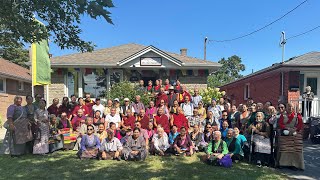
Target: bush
[125,89]
[1,122]
[209,93]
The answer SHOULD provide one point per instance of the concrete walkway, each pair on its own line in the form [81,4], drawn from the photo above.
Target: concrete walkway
[312,163]
[2,133]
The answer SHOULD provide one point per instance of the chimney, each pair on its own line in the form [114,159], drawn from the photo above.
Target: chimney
[183,51]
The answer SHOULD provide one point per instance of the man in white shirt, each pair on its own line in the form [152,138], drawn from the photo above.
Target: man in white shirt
[216,111]
[111,147]
[98,106]
[113,117]
[187,107]
[196,98]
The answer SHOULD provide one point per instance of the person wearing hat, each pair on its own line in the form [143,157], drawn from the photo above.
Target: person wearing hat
[111,147]
[116,104]
[125,107]
[171,96]
[98,106]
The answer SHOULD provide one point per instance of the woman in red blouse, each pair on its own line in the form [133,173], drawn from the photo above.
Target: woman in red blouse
[81,105]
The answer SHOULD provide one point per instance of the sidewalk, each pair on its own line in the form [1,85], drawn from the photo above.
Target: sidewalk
[2,133]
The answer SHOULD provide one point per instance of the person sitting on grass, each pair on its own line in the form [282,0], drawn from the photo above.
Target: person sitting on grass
[89,145]
[111,147]
[135,148]
[160,142]
[217,149]
[173,134]
[234,146]
[208,136]
[183,144]
[196,138]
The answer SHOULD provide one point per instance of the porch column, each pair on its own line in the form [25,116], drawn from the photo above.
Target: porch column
[80,89]
[108,83]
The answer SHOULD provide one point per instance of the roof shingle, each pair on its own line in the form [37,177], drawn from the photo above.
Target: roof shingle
[8,68]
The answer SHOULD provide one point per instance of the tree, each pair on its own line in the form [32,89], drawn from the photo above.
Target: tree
[17,55]
[62,19]
[229,71]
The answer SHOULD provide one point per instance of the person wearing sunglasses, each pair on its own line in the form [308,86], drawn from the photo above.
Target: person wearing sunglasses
[89,145]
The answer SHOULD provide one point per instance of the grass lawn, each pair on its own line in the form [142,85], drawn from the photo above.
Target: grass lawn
[65,165]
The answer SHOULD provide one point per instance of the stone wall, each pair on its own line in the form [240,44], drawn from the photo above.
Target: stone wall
[56,88]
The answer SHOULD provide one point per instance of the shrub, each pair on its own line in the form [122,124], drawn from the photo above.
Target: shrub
[209,93]
[125,89]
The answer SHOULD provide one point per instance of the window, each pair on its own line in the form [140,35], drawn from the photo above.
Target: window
[3,85]
[246,91]
[313,83]
[301,83]
[72,83]
[20,86]
[95,83]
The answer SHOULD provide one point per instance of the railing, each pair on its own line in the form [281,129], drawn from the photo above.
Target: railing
[300,105]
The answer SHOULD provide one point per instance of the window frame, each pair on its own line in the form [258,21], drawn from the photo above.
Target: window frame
[22,86]
[245,90]
[4,85]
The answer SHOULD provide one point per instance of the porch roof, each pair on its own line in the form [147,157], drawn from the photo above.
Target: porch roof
[112,57]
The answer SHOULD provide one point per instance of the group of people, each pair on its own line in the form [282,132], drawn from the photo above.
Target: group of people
[174,122]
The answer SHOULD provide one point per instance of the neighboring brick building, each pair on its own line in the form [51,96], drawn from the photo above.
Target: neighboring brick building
[95,72]
[14,80]
[281,82]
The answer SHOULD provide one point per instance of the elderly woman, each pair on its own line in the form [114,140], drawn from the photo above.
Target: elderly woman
[290,140]
[18,132]
[160,142]
[41,144]
[111,147]
[55,136]
[261,139]
[197,138]
[135,148]
[217,149]
[151,111]
[183,143]
[98,119]
[89,145]
[234,146]
[109,105]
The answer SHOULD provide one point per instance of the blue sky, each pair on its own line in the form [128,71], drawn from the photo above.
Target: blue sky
[171,25]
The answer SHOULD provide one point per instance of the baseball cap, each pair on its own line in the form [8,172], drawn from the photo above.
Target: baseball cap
[116,99]
[126,99]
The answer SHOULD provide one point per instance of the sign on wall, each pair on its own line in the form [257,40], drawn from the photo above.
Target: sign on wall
[150,61]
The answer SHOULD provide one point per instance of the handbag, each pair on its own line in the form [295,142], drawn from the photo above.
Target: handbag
[226,161]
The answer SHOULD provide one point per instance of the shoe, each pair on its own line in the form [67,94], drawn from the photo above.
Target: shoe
[259,164]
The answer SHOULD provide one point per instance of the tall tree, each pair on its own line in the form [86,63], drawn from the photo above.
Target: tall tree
[62,19]
[17,55]
[229,71]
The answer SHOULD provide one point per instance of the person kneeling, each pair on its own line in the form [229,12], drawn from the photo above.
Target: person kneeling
[217,152]
[160,142]
[111,147]
[183,144]
[89,145]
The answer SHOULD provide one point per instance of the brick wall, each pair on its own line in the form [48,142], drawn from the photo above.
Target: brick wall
[56,88]
[265,87]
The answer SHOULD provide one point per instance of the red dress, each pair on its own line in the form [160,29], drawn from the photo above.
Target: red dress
[164,121]
[145,122]
[180,121]
[129,121]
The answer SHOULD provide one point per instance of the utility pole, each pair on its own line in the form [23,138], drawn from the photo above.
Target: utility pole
[283,43]
[205,48]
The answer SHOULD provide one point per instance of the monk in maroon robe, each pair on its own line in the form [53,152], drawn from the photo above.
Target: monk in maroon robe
[89,103]
[54,109]
[128,121]
[161,96]
[163,120]
[179,119]
[143,119]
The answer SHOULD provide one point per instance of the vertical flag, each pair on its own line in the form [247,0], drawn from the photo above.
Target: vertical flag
[41,67]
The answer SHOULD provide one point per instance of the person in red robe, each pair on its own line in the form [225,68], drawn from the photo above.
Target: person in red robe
[150,87]
[128,121]
[166,86]
[81,106]
[178,88]
[184,93]
[157,87]
[89,103]
[161,96]
[54,109]
[78,120]
[65,107]
[179,119]
[143,119]
[161,120]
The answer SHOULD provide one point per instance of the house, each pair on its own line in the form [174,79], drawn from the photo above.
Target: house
[14,80]
[95,72]
[281,82]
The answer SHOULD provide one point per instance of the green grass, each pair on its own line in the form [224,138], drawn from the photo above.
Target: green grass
[65,165]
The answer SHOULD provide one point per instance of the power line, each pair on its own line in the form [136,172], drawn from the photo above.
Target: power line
[295,36]
[257,30]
